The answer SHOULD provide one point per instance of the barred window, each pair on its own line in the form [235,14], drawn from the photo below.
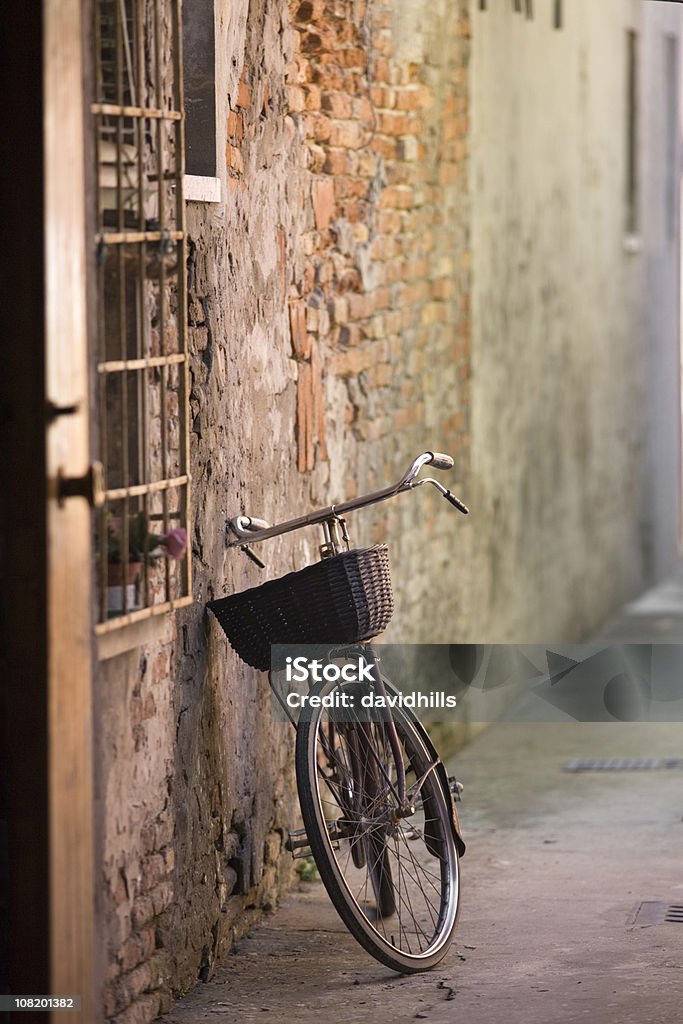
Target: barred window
[632,168]
[141,349]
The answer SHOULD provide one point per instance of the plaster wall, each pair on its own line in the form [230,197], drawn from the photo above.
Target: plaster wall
[575,352]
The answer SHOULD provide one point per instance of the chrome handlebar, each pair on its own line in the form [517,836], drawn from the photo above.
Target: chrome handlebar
[436,459]
[250,530]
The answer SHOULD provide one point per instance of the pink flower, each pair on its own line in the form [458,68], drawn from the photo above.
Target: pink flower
[175,542]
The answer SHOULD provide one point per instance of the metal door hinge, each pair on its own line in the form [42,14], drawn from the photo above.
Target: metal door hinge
[89,486]
[54,411]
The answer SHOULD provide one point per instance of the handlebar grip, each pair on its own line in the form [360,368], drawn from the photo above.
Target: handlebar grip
[257,524]
[440,461]
[457,503]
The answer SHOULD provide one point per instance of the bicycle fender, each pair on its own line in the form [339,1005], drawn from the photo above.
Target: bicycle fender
[443,778]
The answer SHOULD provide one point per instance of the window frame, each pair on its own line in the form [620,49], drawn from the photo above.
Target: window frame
[201,188]
[140,253]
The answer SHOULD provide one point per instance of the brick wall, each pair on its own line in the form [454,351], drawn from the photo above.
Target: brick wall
[379,307]
[329,335]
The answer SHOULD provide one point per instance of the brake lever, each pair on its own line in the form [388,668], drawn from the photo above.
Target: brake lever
[252,555]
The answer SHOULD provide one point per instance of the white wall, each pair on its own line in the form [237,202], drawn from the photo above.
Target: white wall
[661,254]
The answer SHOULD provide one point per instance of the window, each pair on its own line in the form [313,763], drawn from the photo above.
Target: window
[671,136]
[199,76]
[631,197]
[557,16]
[141,355]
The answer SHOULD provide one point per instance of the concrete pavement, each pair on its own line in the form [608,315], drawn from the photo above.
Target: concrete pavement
[656,616]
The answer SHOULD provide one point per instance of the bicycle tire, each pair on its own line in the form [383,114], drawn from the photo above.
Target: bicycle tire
[405,938]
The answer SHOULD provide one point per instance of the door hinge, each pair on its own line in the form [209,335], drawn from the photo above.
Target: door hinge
[89,486]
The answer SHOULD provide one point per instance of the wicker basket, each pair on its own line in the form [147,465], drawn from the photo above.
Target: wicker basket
[343,599]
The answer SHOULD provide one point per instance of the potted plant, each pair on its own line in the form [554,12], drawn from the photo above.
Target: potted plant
[143,546]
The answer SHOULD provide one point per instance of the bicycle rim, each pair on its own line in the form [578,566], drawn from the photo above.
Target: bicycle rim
[400,899]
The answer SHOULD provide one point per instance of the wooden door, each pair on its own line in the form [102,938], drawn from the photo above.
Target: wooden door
[69,559]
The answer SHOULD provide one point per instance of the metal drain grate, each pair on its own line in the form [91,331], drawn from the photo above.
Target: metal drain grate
[653,912]
[623,764]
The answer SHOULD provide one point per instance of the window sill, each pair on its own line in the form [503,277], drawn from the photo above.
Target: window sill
[109,645]
[125,634]
[201,190]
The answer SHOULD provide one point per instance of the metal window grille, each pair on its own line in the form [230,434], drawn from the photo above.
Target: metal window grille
[671,172]
[141,360]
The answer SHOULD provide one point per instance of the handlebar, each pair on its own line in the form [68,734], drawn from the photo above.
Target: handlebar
[249,529]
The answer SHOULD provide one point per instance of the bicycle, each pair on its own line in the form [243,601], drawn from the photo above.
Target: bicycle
[377,805]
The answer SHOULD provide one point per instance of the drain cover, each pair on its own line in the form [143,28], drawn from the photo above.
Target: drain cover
[653,912]
[623,764]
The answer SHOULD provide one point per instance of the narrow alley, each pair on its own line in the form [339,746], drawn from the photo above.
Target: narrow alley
[274,266]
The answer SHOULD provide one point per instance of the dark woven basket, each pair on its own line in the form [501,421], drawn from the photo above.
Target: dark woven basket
[343,599]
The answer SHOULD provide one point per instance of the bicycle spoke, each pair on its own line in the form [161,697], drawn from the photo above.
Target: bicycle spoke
[413,916]
[424,869]
[403,866]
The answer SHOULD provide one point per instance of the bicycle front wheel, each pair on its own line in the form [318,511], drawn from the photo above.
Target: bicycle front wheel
[392,876]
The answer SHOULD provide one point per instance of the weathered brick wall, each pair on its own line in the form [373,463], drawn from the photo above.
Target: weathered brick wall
[379,94]
[329,339]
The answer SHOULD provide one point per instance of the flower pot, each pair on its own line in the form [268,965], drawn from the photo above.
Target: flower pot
[115,585]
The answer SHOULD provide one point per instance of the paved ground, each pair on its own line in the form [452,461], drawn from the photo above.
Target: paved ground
[557,865]
[654,617]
